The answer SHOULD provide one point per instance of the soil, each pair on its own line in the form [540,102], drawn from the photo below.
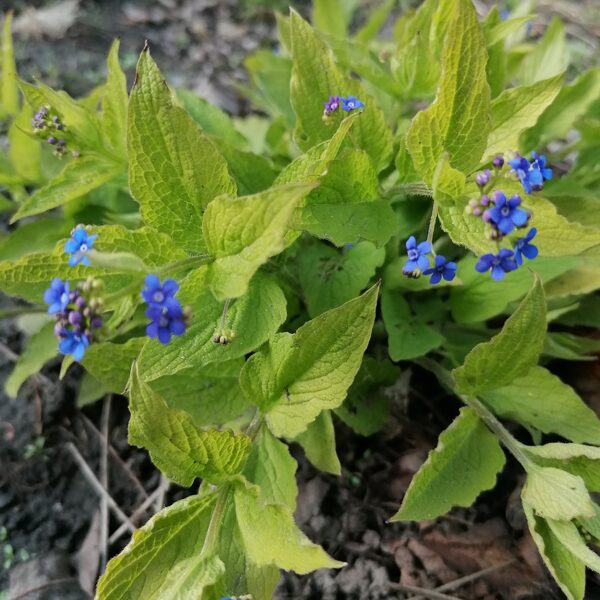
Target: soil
[48,510]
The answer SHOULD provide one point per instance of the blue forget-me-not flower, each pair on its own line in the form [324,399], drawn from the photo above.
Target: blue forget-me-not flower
[500,263]
[442,268]
[78,245]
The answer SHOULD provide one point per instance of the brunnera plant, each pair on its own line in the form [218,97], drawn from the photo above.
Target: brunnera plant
[225,275]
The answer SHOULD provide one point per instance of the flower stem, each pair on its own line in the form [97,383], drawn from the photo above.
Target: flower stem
[432,222]
[224,315]
[216,519]
[184,263]
[511,444]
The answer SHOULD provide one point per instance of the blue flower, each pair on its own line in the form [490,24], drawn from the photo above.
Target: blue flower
[442,268]
[523,247]
[506,214]
[417,259]
[351,103]
[500,263]
[73,342]
[332,104]
[166,320]
[57,296]
[532,174]
[156,294]
[78,245]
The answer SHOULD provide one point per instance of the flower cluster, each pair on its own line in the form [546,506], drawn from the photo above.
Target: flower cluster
[418,262]
[51,128]
[167,318]
[77,314]
[531,173]
[78,245]
[346,104]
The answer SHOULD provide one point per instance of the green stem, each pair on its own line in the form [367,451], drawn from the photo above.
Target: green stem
[408,189]
[216,520]
[192,261]
[432,222]
[224,315]
[255,425]
[512,445]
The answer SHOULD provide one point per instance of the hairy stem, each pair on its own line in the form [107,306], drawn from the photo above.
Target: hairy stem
[216,519]
[224,315]
[408,189]
[432,222]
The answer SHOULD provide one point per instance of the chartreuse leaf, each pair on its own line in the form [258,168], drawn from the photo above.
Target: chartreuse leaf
[176,446]
[330,18]
[458,121]
[114,102]
[297,376]
[481,297]
[243,233]
[211,395]
[509,354]
[175,170]
[80,176]
[540,399]
[465,463]
[408,336]
[518,109]
[567,533]
[555,494]
[318,442]
[448,183]
[330,277]
[9,92]
[347,207]
[366,409]
[549,56]
[252,320]
[315,77]
[270,536]
[170,542]
[271,467]
[24,151]
[572,102]
[567,570]
[577,459]
[110,363]
[41,347]
[30,276]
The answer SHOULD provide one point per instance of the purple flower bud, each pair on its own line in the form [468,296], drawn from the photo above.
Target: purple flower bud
[61,142]
[483,178]
[477,212]
[75,317]
[487,217]
[87,312]
[484,200]
[52,140]
[96,323]
[498,162]
[58,329]
[80,302]
[74,295]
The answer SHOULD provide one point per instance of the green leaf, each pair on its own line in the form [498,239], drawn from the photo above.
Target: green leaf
[568,571]
[318,441]
[271,467]
[80,176]
[329,18]
[330,277]
[555,494]
[252,319]
[541,400]
[176,446]
[408,336]
[90,391]
[366,409]
[518,109]
[572,102]
[509,354]
[9,91]
[41,347]
[270,535]
[110,363]
[481,297]
[448,183]
[315,77]
[243,233]
[570,537]
[346,207]
[297,376]
[171,541]
[570,347]
[32,237]
[549,56]
[465,463]
[463,90]
[175,170]
[505,28]
[211,395]
[24,151]
[211,119]
[577,459]
[114,102]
